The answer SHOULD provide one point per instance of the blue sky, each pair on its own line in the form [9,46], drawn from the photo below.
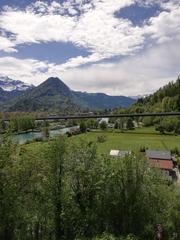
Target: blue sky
[120,47]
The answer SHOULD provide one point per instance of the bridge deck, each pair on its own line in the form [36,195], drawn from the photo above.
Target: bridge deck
[84,116]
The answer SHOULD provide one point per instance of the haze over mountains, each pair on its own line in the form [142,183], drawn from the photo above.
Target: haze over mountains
[54,96]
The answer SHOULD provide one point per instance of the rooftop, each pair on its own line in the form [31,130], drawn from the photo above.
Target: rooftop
[153,154]
[118,153]
[162,164]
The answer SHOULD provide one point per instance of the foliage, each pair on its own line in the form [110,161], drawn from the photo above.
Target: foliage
[147,121]
[103,125]
[23,123]
[8,189]
[65,190]
[130,124]
[101,138]
[45,132]
[91,123]
[169,125]
[83,127]
[166,99]
[112,237]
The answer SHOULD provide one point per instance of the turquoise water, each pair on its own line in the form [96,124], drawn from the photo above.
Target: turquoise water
[24,137]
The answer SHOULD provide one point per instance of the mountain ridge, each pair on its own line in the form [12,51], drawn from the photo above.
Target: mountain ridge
[54,95]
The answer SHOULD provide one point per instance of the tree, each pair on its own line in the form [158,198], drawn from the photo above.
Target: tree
[85,184]
[130,124]
[83,127]
[57,154]
[2,125]
[91,123]
[177,127]
[130,186]
[103,125]
[116,125]
[45,132]
[8,189]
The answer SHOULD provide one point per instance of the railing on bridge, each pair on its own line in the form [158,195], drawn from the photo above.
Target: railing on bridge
[85,116]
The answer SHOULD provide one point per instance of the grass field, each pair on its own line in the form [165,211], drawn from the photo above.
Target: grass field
[130,140]
[133,140]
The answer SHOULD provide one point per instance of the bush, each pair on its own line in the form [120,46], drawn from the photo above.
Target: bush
[69,134]
[101,138]
[103,125]
[175,151]
[142,149]
[83,127]
[130,124]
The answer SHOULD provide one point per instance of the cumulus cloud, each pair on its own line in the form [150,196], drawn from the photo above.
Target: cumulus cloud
[166,26]
[96,28]
[140,74]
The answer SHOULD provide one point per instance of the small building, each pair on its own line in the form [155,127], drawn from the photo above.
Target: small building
[104,120]
[162,160]
[118,153]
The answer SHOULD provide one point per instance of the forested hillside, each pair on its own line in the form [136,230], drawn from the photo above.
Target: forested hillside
[165,99]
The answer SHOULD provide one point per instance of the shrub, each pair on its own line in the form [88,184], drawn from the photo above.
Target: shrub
[103,125]
[69,134]
[83,127]
[101,138]
[175,151]
[142,149]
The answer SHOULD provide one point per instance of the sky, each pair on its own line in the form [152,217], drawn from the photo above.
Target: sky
[119,47]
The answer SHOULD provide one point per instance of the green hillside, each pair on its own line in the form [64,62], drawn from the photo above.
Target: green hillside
[166,99]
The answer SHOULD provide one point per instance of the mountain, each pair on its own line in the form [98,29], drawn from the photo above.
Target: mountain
[103,101]
[8,84]
[165,99]
[51,95]
[54,96]
[7,98]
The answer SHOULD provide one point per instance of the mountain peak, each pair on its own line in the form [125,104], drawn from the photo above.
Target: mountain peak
[8,84]
[54,80]
[56,84]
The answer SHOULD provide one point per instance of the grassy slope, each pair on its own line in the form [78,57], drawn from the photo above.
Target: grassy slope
[131,140]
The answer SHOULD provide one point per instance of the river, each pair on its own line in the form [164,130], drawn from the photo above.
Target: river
[29,136]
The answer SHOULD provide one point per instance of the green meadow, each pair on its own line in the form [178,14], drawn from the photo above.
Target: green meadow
[128,140]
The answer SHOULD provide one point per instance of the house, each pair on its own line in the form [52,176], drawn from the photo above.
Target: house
[104,120]
[118,153]
[162,160]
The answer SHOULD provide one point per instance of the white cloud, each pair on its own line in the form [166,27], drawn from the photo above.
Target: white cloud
[140,74]
[27,70]
[96,28]
[93,26]
[134,75]
[6,45]
[166,26]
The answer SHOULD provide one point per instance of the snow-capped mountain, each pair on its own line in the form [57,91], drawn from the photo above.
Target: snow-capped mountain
[8,84]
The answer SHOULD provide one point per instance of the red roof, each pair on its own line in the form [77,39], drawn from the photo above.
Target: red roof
[162,164]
